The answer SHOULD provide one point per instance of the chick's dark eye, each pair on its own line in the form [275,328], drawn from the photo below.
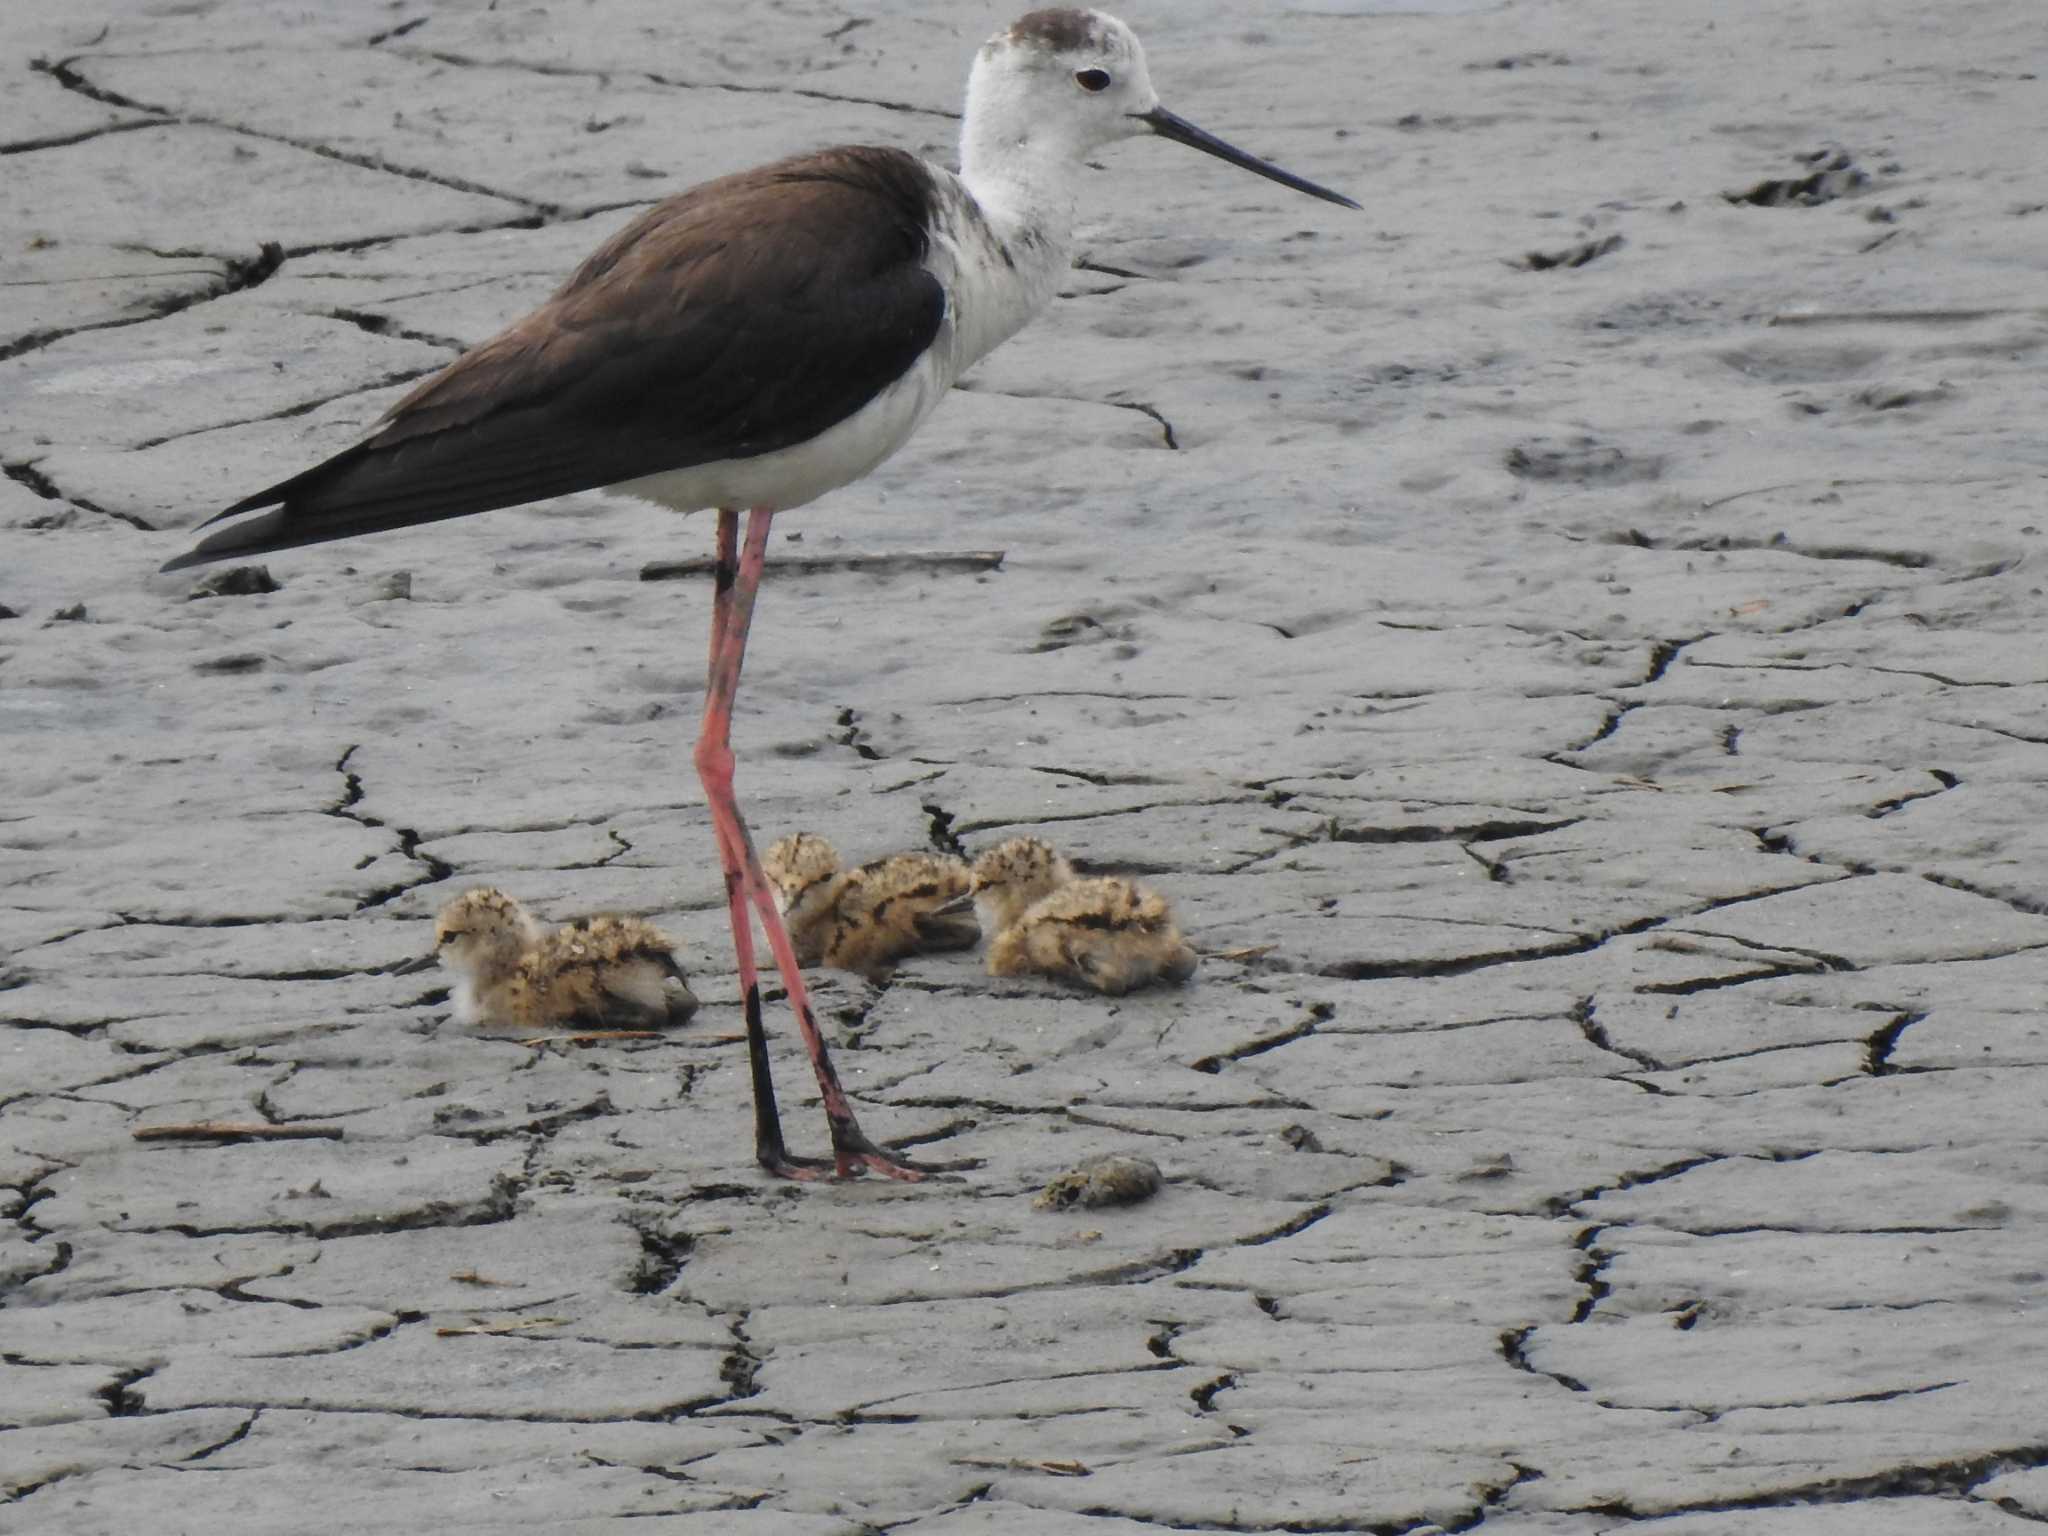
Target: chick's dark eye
[1092,79]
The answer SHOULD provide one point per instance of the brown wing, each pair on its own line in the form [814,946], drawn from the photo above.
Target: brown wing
[743,316]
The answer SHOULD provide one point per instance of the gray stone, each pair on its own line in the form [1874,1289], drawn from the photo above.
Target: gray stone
[45,1060]
[884,1472]
[108,1263]
[1889,1517]
[377,1440]
[1928,1190]
[65,285]
[141,383]
[529,1375]
[52,1394]
[165,1324]
[33,1458]
[1108,1179]
[1958,1037]
[331,1188]
[1251,1487]
[191,185]
[576,1501]
[1655,1270]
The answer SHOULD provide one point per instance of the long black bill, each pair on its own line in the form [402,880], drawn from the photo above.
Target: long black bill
[1170,125]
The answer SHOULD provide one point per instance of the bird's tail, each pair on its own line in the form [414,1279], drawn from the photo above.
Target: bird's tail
[382,484]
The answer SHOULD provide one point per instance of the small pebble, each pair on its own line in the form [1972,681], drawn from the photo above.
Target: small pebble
[235,581]
[1115,1178]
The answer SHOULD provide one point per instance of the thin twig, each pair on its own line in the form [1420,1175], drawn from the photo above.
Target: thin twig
[1893,316]
[812,565]
[1026,1464]
[1248,952]
[214,1130]
[592,1037]
[485,1330]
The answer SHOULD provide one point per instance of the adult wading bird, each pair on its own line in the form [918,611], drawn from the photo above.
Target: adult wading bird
[756,342]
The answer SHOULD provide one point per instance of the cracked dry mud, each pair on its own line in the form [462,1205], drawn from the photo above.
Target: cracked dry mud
[1590,718]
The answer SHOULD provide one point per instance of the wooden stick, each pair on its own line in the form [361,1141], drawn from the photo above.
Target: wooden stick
[1249,952]
[593,1037]
[210,1130]
[812,565]
[486,1330]
[1891,316]
[1026,1464]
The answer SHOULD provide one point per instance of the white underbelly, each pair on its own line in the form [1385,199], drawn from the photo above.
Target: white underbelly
[790,477]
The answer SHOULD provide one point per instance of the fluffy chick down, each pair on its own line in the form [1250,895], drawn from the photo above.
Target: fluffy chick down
[867,919]
[605,971]
[1103,932]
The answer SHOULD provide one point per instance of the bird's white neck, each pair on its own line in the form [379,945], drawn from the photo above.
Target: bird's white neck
[1021,176]
[1007,242]
[1019,170]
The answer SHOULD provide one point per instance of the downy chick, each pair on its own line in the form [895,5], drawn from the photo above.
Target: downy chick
[605,971]
[1014,875]
[867,919]
[1103,932]
[481,937]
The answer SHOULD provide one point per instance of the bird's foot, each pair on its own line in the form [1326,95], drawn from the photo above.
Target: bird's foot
[853,1156]
[805,1170]
[857,1155]
[782,1164]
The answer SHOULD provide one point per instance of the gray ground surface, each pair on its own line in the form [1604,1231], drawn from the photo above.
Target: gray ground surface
[1601,708]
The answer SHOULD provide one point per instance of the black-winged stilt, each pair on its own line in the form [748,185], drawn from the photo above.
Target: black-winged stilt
[756,342]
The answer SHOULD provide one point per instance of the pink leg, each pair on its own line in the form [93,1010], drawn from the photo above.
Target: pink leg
[768,1145]
[732,614]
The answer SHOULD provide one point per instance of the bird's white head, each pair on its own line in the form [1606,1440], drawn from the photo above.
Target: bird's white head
[1059,84]
[1056,86]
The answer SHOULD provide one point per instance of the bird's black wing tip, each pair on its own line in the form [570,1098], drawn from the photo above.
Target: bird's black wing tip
[255,536]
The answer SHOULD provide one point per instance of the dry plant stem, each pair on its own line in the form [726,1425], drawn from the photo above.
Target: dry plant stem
[592,1037]
[212,1130]
[813,565]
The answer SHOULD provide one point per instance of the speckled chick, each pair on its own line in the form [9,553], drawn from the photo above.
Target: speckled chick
[1102,932]
[602,972]
[1013,875]
[481,936]
[869,918]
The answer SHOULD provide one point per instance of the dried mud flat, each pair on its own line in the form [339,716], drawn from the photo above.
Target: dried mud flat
[1568,640]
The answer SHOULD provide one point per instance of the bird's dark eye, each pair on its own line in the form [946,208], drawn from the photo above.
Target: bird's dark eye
[1092,80]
